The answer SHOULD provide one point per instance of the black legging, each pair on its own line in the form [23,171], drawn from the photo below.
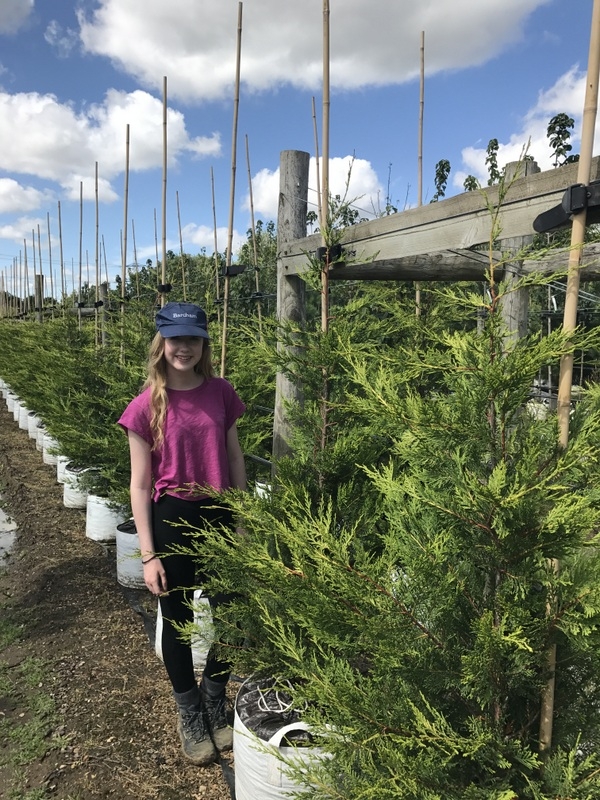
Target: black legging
[184,573]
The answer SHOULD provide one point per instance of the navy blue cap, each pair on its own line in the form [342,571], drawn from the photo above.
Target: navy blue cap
[181,319]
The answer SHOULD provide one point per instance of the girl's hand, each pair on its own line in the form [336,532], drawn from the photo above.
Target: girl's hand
[155,577]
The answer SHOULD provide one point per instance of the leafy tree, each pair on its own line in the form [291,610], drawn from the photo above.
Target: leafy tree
[492,162]
[471,184]
[442,172]
[559,134]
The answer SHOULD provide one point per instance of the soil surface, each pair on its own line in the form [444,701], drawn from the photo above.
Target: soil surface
[117,730]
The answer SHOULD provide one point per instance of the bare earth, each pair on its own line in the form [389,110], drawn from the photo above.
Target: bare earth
[117,716]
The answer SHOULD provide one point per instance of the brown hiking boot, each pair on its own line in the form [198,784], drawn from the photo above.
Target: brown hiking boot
[215,709]
[195,738]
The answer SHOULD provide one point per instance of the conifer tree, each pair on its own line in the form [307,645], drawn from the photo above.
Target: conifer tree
[409,595]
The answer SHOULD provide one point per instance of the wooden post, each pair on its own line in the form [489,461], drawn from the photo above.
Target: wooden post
[103,290]
[515,304]
[229,254]
[291,290]
[39,297]
[565,377]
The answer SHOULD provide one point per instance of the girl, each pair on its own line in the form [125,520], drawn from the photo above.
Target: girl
[182,440]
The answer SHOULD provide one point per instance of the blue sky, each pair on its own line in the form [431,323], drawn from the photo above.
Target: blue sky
[73,75]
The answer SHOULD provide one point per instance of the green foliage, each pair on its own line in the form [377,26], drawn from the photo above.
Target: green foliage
[471,184]
[559,134]
[442,172]
[491,161]
[399,573]
[414,622]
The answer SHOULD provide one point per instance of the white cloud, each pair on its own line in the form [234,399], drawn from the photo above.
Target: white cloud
[59,144]
[363,190]
[14,14]
[19,230]
[203,238]
[15,198]
[282,42]
[565,96]
[63,41]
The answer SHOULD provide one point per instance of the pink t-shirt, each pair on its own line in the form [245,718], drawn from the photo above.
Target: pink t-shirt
[194,451]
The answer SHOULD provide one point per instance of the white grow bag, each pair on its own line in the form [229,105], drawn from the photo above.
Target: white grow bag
[201,641]
[102,518]
[260,741]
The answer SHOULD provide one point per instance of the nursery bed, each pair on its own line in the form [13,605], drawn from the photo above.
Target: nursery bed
[115,718]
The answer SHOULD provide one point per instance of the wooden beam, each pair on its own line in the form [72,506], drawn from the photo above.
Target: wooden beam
[445,265]
[463,265]
[558,261]
[450,226]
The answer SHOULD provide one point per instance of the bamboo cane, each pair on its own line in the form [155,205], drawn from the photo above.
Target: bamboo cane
[216,243]
[105,262]
[26,272]
[37,308]
[156,247]
[50,265]
[253,233]
[181,248]
[79,301]
[236,104]
[570,317]
[164,193]
[325,188]
[125,222]
[39,240]
[63,285]
[135,261]
[87,269]
[317,163]
[420,157]
[96,260]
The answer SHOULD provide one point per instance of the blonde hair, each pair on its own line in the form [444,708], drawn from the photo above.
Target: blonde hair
[156,381]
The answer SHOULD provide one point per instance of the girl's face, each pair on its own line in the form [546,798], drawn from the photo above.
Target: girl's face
[182,353]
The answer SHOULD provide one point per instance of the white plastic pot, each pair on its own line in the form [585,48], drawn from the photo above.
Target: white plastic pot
[61,464]
[49,450]
[101,519]
[201,641]
[16,409]
[130,572]
[39,437]
[23,417]
[32,423]
[260,773]
[10,401]
[74,496]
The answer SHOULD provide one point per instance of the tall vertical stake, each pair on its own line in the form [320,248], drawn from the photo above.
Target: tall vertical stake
[570,318]
[164,194]
[97,259]
[254,242]
[420,157]
[216,242]
[79,301]
[236,104]
[325,188]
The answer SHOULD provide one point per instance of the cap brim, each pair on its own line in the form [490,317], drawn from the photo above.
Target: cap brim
[170,331]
